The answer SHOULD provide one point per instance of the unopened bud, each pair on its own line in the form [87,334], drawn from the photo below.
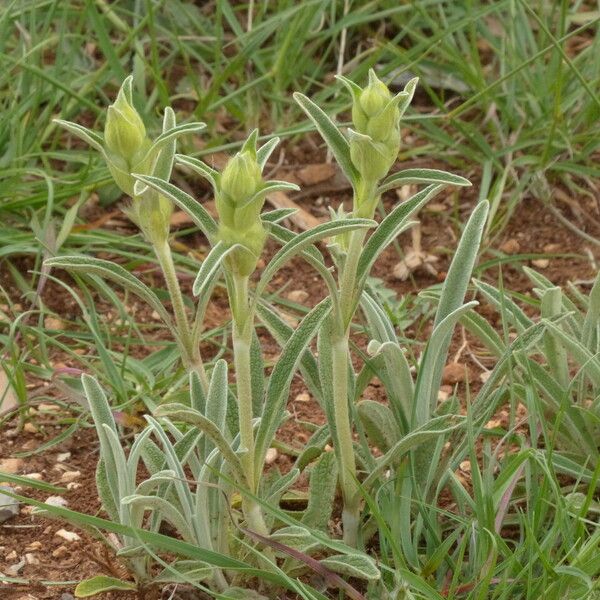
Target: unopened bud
[124,133]
[239,202]
[241,178]
[375,143]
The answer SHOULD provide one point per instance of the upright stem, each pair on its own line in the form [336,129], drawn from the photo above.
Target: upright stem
[191,358]
[347,462]
[242,340]
[340,347]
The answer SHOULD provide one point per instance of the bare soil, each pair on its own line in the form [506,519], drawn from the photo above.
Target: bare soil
[532,230]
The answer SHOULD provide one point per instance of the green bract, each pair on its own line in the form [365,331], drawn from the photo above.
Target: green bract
[239,202]
[375,140]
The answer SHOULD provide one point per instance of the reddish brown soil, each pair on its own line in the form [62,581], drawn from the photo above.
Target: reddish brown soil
[532,230]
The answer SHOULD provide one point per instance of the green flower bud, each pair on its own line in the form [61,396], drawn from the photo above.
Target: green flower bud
[242,177]
[238,203]
[124,133]
[375,143]
[372,159]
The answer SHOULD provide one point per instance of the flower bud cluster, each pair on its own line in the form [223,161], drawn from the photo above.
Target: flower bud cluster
[375,139]
[239,202]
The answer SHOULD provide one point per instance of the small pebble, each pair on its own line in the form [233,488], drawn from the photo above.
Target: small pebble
[454,373]
[31,559]
[69,536]
[510,246]
[69,476]
[9,507]
[298,296]
[60,552]
[63,456]
[11,555]
[11,465]
[56,501]
[37,545]
[541,263]
[271,456]
[302,397]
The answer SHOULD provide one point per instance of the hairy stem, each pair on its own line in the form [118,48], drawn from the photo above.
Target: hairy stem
[347,467]
[191,354]
[242,340]
[365,202]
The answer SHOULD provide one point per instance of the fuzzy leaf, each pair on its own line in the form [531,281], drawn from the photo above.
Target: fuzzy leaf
[281,378]
[323,484]
[428,176]
[101,584]
[379,424]
[353,565]
[334,139]
[390,227]
[109,270]
[184,201]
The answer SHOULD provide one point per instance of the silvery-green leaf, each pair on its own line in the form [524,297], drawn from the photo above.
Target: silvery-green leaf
[167,510]
[184,571]
[200,167]
[360,566]
[265,151]
[334,139]
[435,428]
[193,417]
[305,239]
[114,272]
[296,537]
[184,201]
[282,332]
[322,488]
[395,222]
[87,135]
[281,378]
[210,265]
[216,401]
[429,176]
[379,424]
[101,584]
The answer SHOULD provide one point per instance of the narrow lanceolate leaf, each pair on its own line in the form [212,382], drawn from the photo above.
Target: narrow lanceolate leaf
[334,139]
[216,400]
[83,133]
[323,484]
[281,377]
[179,412]
[390,227]
[430,431]
[210,265]
[509,309]
[184,201]
[174,132]
[100,584]
[277,215]
[165,151]
[265,151]
[379,424]
[449,310]
[305,239]
[282,332]
[461,267]
[198,166]
[114,272]
[432,365]
[353,565]
[428,176]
